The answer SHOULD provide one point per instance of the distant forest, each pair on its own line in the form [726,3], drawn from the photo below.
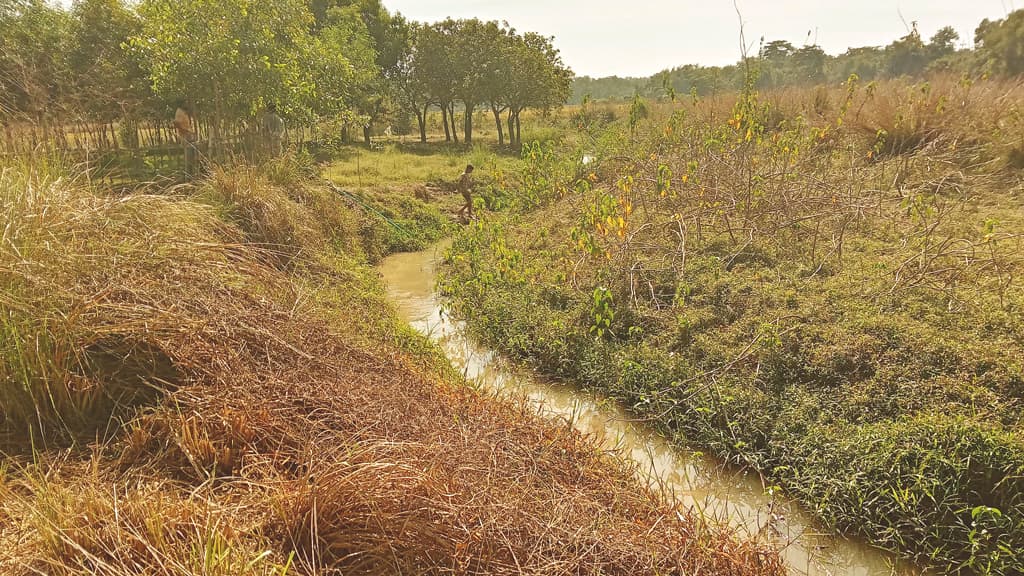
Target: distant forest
[998,50]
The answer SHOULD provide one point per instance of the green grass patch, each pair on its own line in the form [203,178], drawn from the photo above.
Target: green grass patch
[402,166]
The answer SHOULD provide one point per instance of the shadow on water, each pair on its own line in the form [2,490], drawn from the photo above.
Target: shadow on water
[691,478]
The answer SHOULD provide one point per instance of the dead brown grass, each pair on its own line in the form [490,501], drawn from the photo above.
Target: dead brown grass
[297,436]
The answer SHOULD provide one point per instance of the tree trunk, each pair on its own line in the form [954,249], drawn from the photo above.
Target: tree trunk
[512,128]
[497,122]
[366,135]
[519,130]
[214,148]
[469,123]
[451,117]
[421,118]
[444,120]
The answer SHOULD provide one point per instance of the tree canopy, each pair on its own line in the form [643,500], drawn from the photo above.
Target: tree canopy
[350,61]
[1002,43]
[476,64]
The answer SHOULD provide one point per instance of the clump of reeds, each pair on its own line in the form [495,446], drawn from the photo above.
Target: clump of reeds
[282,211]
[98,294]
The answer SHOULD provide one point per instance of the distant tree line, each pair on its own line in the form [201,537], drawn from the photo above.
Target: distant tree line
[351,63]
[998,50]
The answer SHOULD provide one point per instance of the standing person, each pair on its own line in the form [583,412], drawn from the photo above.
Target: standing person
[273,130]
[184,124]
[465,187]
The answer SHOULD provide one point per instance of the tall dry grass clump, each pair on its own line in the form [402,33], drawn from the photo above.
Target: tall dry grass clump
[231,397]
[102,299]
[282,212]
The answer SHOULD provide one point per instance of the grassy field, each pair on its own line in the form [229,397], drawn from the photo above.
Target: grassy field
[411,165]
[821,284]
[208,380]
[406,192]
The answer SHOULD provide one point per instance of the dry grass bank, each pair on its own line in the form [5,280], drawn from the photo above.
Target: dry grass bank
[212,383]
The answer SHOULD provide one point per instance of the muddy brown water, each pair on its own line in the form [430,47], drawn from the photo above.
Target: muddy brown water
[695,480]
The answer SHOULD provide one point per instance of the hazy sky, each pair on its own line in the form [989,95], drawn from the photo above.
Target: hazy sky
[641,37]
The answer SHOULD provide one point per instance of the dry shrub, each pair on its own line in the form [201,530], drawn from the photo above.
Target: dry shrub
[102,296]
[946,113]
[287,219]
[102,524]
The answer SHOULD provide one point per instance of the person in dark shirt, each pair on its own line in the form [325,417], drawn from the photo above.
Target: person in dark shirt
[184,125]
[465,187]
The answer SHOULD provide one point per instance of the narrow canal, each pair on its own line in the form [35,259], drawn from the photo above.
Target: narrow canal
[692,479]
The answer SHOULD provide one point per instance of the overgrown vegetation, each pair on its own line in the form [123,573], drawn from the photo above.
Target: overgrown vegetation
[405,193]
[207,380]
[820,284]
[818,281]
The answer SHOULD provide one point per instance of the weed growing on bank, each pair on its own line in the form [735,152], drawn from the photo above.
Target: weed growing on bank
[820,284]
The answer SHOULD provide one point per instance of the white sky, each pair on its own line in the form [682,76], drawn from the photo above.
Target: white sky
[642,37]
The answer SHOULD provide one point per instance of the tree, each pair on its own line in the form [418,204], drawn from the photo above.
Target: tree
[475,55]
[108,82]
[349,81]
[1002,42]
[33,65]
[809,64]
[500,79]
[480,63]
[943,43]
[777,50]
[611,88]
[433,62]
[868,63]
[411,82]
[907,56]
[776,64]
[539,80]
[388,35]
[260,51]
